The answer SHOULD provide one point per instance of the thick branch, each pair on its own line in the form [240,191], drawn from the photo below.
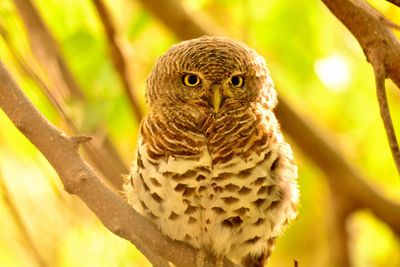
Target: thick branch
[117,56]
[308,137]
[80,179]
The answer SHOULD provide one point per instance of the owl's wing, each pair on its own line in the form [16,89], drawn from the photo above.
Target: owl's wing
[284,170]
[129,190]
[285,196]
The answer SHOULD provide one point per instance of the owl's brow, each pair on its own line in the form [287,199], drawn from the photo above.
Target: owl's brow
[184,72]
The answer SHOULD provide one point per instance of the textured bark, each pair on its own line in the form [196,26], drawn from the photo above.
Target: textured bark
[382,49]
[80,179]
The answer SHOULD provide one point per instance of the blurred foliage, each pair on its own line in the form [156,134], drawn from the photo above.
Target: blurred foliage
[317,65]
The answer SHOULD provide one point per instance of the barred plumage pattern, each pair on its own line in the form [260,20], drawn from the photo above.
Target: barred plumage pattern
[222,181]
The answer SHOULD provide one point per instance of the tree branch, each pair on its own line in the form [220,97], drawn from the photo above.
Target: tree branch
[382,50]
[315,144]
[380,74]
[79,178]
[117,56]
[46,50]
[359,18]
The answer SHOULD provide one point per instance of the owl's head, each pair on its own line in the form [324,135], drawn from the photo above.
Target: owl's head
[210,71]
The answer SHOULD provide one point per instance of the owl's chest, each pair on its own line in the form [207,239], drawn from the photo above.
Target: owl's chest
[218,167]
[209,188]
[205,201]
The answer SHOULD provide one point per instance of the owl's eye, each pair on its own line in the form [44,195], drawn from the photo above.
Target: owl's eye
[190,80]
[237,81]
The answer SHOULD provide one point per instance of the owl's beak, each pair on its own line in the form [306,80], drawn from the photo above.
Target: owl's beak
[217,99]
[218,96]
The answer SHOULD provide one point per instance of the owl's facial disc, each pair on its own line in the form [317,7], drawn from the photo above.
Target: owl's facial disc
[210,72]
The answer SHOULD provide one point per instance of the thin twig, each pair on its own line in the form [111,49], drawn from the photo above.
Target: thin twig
[120,63]
[382,49]
[45,48]
[380,76]
[63,84]
[31,73]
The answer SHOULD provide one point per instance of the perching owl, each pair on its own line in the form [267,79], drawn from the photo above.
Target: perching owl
[212,168]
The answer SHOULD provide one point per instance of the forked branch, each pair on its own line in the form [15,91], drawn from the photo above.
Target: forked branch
[382,49]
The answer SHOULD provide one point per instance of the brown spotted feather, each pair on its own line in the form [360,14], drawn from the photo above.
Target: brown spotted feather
[222,181]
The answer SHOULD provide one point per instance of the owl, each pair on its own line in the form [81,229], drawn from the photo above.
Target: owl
[212,168]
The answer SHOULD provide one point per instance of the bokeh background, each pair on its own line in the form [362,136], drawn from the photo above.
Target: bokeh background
[318,68]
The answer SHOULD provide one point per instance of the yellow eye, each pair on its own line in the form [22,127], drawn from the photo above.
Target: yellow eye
[191,80]
[237,81]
